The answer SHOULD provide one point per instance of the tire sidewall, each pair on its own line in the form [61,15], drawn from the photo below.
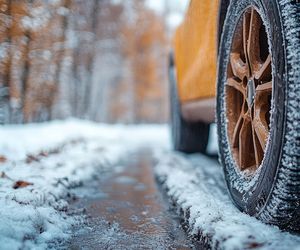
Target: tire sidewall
[252,194]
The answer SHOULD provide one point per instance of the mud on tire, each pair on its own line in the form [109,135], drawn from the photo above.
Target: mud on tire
[272,191]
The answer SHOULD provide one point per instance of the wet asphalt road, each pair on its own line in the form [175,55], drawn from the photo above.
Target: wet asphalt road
[126,209]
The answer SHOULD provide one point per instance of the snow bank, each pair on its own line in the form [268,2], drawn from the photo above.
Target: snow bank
[197,188]
[50,159]
[19,140]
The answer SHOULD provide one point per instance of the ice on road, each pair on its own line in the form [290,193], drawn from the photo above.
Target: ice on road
[126,209]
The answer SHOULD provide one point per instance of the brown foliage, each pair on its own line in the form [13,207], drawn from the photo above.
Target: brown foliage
[21,184]
[3,159]
[88,59]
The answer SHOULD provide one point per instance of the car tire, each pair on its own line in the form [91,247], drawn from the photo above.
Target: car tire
[263,178]
[187,137]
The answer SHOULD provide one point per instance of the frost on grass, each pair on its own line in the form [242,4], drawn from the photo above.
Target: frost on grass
[197,188]
[40,164]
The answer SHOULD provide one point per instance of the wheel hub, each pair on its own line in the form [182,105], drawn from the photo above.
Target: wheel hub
[250,92]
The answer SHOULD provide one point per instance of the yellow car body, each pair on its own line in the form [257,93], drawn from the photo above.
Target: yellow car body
[195,51]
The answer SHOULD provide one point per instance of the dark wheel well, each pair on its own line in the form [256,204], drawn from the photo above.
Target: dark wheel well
[222,14]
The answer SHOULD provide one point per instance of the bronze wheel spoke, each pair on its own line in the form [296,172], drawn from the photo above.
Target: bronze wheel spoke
[261,130]
[239,68]
[236,85]
[237,129]
[265,70]
[264,88]
[253,46]
[246,24]
[258,150]
[245,143]
[261,108]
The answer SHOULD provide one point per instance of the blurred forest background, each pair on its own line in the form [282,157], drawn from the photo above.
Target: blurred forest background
[103,60]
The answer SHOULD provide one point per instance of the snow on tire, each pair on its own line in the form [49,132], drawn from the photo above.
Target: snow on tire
[258,105]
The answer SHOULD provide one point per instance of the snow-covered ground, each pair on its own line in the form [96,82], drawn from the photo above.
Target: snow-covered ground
[40,163]
[197,187]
